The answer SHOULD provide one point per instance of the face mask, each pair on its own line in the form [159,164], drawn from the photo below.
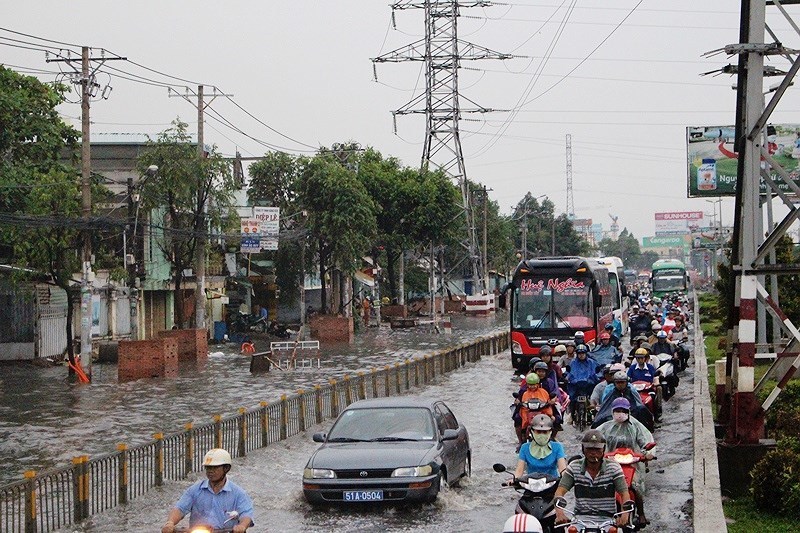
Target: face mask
[620,417]
[541,439]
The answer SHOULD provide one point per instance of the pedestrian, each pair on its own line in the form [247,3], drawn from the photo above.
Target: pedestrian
[216,501]
[366,306]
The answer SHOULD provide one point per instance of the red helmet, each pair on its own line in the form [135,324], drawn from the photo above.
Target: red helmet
[605,336]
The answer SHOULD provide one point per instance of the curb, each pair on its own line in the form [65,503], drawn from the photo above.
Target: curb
[707,514]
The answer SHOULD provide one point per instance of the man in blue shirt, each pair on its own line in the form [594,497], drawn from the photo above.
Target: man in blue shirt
[216,501]
[641,370]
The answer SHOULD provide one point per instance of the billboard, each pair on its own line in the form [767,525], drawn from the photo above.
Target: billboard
[677,222]
[712,165]
[260,232]
[664,242]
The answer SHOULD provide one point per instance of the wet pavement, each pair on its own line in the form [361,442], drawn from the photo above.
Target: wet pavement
[45,421]
[479,395]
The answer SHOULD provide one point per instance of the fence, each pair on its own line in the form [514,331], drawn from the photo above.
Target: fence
[55,499]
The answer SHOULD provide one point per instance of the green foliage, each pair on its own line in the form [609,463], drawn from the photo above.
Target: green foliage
[775,483]
[783,417]
[744,517]
[626,247]
[546,233]
[193,192]
[273,180]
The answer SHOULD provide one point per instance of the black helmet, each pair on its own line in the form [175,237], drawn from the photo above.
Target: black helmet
[581,348]
[533,362]
[541,365]
[593,439]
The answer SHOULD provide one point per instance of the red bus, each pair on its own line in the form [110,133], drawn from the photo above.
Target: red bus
[554,297]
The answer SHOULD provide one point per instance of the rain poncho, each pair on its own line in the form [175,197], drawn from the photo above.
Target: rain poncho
[638,409]
[605,355]
[631,434]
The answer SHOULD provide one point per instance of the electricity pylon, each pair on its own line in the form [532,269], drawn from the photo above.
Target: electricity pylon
[443,52]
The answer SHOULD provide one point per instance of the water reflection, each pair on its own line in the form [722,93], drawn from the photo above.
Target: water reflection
[45,421]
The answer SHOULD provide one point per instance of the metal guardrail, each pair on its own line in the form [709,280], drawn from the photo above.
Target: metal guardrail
[55,499]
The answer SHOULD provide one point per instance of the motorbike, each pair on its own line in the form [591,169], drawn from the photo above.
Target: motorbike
[535,510]
[628,459]
[579,524]
[669,380]
[683,351]
[647,392]
[535,407]
[278,330]
[246,322]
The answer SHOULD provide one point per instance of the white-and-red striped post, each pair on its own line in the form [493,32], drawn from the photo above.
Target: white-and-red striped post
[778,314]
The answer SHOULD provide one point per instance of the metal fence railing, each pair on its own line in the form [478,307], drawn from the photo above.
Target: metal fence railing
[55,499]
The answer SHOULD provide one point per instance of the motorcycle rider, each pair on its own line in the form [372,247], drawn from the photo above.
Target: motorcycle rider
[596,480]
[624,431]
[549,382]
[608,378]
[215,501]
[547,357]
[540,454]
[605,353]
[636,343]
[582,377]
[609,328]
[639,323]
[568,355]
[622,389]
[642,370]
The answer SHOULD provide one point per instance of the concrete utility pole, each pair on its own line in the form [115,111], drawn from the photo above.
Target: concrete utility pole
[200,238]
[85,78]
[739,408]
[443,52]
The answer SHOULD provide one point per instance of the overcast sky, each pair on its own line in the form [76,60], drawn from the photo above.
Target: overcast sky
[303,67]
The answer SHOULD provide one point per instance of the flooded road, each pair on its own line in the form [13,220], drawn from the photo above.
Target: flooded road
[479,395]
[45,421]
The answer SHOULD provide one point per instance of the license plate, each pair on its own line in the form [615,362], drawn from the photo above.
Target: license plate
[363,495]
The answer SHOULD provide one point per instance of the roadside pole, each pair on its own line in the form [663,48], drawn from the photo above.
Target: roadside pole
[86,205]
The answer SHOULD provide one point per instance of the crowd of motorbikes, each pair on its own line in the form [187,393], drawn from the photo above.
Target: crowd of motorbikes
[660,350]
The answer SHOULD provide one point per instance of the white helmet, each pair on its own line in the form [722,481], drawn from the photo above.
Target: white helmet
[217,457]
[522,523]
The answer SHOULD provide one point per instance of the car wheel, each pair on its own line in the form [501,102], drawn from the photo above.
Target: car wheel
[467,469]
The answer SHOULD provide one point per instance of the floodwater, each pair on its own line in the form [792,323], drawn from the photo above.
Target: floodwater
[479,395]
[45,420]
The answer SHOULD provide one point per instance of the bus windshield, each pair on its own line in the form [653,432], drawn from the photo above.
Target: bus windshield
[552,303]
[668,283]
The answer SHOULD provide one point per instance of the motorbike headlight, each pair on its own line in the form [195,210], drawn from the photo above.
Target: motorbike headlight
[413,471]
[318,473]
[516,348]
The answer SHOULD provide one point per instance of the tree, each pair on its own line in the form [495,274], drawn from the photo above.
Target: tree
[35,183]
[341,214]
[626,247]
[188,196]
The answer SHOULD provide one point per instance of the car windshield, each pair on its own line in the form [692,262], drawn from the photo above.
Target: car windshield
[383,424]
[552,302]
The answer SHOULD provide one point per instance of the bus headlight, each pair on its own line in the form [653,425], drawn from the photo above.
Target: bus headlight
[516,348]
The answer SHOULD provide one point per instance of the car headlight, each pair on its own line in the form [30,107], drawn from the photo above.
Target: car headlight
[516,348]
[318,473]
[413,471]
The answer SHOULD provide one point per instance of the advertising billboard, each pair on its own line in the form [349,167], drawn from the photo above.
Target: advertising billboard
[712,165]
[677,222]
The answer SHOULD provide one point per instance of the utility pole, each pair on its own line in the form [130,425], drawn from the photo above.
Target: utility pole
[202,197]
[443,53]
[85,78]
[485,238]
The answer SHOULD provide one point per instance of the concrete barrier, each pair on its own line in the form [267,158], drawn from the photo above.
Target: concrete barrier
[707,514]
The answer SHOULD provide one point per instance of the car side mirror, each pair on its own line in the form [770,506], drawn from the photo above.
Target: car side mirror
[499,467]
[450,434]
[319,437]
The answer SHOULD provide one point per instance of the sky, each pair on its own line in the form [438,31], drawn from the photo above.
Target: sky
[622,77]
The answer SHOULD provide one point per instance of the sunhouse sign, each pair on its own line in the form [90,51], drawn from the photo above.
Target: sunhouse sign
[712,163]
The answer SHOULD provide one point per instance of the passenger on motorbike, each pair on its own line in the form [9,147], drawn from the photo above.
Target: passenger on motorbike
[540,454]
[606,353]
[655,327]
[640,322]
[534,391]
[680,328]
[662,345]
[624,431]
[582,376]
[547,357]
[548,382]
[609,328]
[642,370]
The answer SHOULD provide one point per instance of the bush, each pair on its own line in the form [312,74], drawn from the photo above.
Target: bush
[775,483]
[783,418]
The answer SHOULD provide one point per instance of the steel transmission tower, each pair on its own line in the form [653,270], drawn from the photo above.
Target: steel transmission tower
[570,197]
[442,52]
[740,408]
